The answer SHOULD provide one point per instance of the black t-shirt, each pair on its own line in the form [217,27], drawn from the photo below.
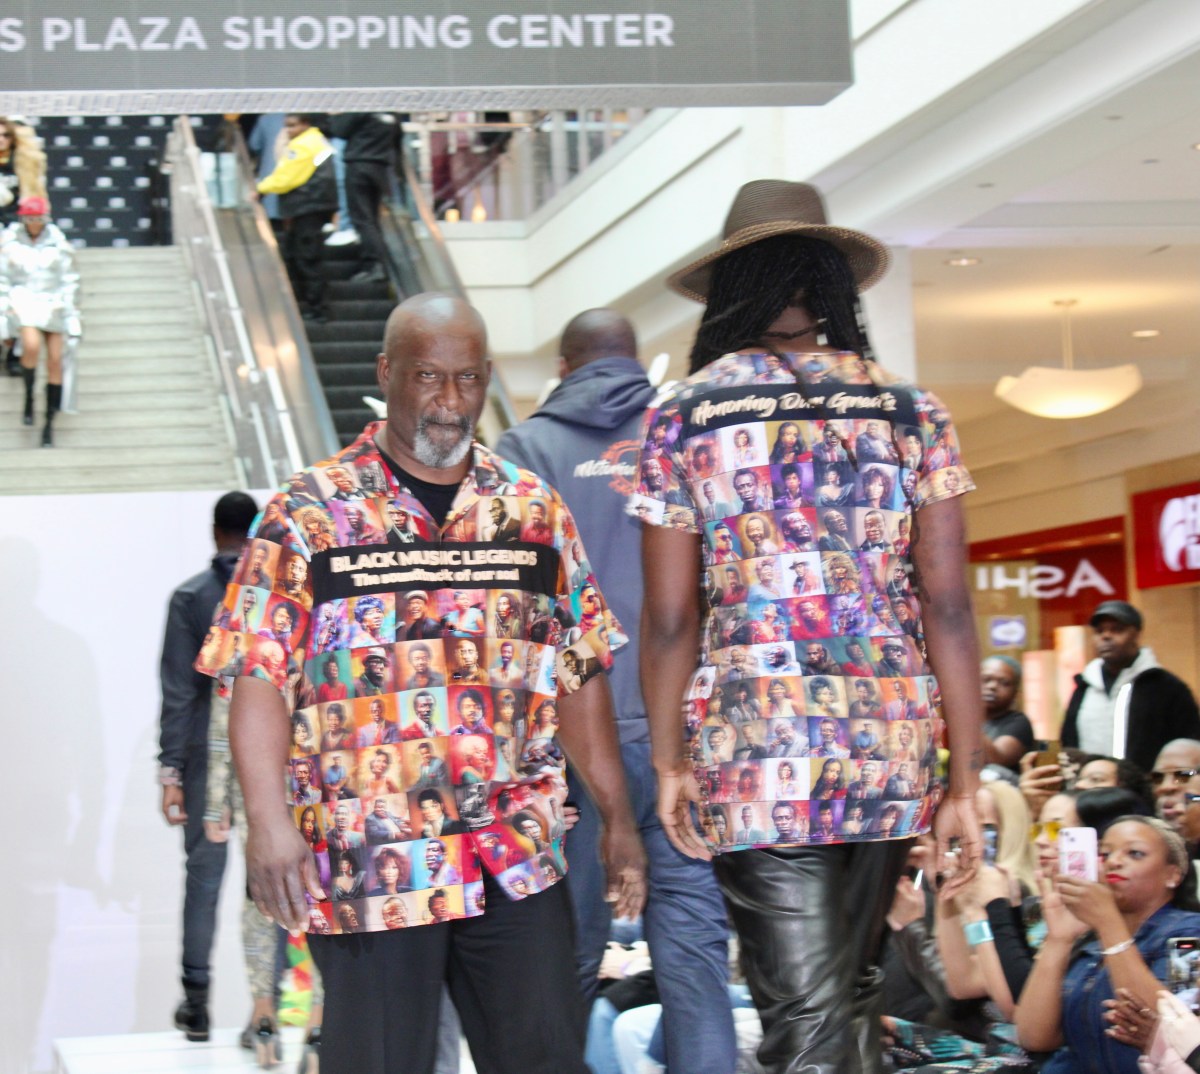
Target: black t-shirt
[1014,724]
[436,499]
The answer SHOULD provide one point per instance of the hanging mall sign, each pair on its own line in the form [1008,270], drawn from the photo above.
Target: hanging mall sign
[131,56]
[1166,536]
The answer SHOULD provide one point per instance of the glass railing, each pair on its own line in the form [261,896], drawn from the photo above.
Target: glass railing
[277,411]
[507,170]
[280,416]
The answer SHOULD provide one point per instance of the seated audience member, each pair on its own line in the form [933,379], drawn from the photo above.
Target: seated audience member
[1105,936]
[1097,771]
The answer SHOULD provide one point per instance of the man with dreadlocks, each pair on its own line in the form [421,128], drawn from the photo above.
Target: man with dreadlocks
[782,340]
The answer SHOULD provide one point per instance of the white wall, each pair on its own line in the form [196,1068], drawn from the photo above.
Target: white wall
[93,896]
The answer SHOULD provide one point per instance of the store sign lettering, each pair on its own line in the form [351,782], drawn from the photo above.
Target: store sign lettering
[1043,582]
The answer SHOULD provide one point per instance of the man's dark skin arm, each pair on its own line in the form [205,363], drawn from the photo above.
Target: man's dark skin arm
[939,556]
[588,734]
[279,863]
[669,648]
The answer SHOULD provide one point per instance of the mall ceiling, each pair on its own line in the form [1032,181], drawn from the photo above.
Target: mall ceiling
[1072,171]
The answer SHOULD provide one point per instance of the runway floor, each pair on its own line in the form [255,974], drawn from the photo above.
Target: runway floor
[170,1053]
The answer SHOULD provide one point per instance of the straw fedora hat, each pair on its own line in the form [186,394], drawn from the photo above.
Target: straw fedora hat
[767,207]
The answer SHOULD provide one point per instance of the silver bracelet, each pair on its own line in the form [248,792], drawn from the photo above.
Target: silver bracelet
[1117,948]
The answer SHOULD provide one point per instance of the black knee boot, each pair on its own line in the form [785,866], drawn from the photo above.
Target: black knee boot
[28,374]
[53,402]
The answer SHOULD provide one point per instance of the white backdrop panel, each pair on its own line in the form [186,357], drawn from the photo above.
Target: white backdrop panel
[92,906]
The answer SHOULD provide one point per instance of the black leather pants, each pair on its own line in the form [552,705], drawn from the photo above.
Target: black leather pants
[810,922]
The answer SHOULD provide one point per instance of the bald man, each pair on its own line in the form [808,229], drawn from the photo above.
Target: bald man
[585,439]
[384,984]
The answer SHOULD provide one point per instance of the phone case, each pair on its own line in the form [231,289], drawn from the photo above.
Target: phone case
[1077,852]
[1183,968]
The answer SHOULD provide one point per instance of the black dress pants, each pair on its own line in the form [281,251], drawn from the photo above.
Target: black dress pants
[366,183]
[810,924]
[511,974]
[303,249]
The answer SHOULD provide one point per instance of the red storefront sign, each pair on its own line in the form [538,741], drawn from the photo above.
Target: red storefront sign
[1026,585]
[1166,536]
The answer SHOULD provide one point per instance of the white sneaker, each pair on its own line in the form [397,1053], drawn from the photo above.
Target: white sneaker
[342,238]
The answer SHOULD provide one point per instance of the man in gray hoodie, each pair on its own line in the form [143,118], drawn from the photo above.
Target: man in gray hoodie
[1125,704]
[586,441]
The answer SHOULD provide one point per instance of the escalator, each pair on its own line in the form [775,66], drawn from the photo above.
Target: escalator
[297,390]
[345,347]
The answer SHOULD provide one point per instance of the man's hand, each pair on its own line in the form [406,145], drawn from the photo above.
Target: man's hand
[625,867]
[956,819]
[677,792]
[280,868]
[172,806]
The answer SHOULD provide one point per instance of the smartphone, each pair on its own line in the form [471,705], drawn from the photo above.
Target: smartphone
[1183,970]
[1047,753]
[1077,853]
[990,838]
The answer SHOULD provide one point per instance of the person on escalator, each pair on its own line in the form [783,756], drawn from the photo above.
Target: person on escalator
[371,139]
[304,179]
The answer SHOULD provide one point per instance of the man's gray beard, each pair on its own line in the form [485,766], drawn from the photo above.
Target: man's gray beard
[442,458]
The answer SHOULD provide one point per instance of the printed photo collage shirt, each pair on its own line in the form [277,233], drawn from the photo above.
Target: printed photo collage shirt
[813,717]
[421,670]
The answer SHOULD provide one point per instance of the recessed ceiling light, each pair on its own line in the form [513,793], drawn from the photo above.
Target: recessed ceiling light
[988,186]
[1113,118]
[1145,333]
[1150,160]
[1196,146]
[961,261]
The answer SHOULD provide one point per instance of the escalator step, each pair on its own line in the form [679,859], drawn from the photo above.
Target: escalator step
[341,289]
[374,309]
[350,398]
[351,419]
[340,351]
[339,330]
[347,374]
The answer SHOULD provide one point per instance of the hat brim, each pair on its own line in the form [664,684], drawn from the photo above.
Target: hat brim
[868,258]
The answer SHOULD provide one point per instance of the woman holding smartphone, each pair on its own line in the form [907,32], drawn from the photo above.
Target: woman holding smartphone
[1103,936]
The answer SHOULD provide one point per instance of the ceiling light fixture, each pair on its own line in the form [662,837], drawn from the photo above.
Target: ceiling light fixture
[1069,392]
[962,261]
[1146,333]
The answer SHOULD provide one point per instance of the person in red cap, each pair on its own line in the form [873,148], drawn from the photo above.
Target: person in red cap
[38,285]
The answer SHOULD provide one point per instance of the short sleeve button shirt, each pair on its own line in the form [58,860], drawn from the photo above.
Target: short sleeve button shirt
[813,716]
[422,667]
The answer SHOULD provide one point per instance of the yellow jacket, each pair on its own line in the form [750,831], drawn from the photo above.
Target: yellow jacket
[297,165]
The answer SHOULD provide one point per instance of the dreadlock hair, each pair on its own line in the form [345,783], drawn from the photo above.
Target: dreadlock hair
[752,286]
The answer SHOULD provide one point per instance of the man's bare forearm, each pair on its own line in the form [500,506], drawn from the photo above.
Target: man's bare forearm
[258,739]
[939,555]
[670,637]
[588,734]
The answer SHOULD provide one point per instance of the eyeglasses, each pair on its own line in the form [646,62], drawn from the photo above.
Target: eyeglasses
[1178,776]
[1051,828]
